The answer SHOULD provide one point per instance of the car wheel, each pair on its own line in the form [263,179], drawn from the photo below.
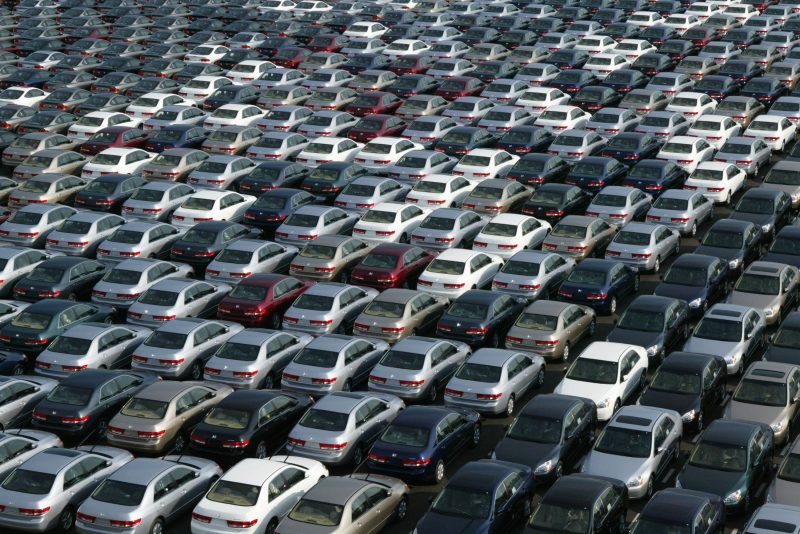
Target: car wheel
[269,382]
[728,199]
[495,340]
[18,370]
[476,435]
[179,444]
[612,306]
[404,238]
[67,519]
[510,406]
[108,320]
[196,371]
[700,421]
[657,264]
[565,353]
[433,393]
[275,321]
[617,405]
[540,378]
[693,231]
[649,491]
[358,456]
[343,278]
[101,428]
[592,327]
[348,385]
[261,450]
[157,527]
[401,511]
[636,282]
[271,526]
[438,472]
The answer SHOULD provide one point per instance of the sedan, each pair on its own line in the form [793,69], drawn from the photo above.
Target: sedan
[310,221]
[579,236]
[66,277]
[174,298]
[241,258]
[750,155]
[136,239]
[644,245]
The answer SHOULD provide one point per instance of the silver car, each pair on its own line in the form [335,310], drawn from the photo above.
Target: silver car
[750,155]
[785,487]
[123,283]
[638,446]
[254,358]
[327,307]
[366,192]
[174,164]
[44,491]
[165,488]
[427,129]
[169,299]
[24,146]
[468,109]
[735,332]
[277,146]
[18,446]
[415,165]
[48,161]
[244,257]
[447,228]
[81,234]
[417,368]
[31,225]
[180,347]
[533,274]
[283,95]
[10,309]
[341,427]
[284,118]
[619,205]
[418,106]
[682,210]
[332,363]
[19,395]
[139,239]
[90,346]
[491,380]
[17,262]
[327,123]
[155,201]
[580,236]
[311,221]
[770,287]
[644,245]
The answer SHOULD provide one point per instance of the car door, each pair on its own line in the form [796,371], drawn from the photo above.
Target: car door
[166,496]
[627,376]
[446,442]
[82,477]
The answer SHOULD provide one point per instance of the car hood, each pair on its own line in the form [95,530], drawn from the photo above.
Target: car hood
[525,452]
[635,337]
[710,480]
[756,218]
[754,300]
[681,403]
[755,412]
[612,465]
[719,252]
[452,524]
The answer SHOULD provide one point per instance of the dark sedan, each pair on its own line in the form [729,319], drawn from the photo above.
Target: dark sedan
[201,244]
[272,175]
[413,84]
[480,317]
[261,299]
[659,324]
[599,284]
[461,139]
[60,277]
[522,140]
[632,147]
[552,202]
[718,87]
[596,97]
[108,192]
[697,279]
[373,126]
[391,265]
[536,169]
[741,70]
[769,209]
[568,59]
[785,248]
[765,90]
[625,80]
[272,207]
[785,346]
[572,81]
[693,512]
[655,176]
[596,172]
[327,180]
[654,63]
[176,136]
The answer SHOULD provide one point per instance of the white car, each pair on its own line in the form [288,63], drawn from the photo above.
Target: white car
[484,164]
[776,132]
[559,118]
[381,152]
[717,181]
[173,115]
[607,373]
[632,49]
[323,78]
[210,205]
[248,71]
[22,96]
[405,47]
[366,192]
[117,161]
[596,44]
[686,152]
[206,54]
[703,10]
[365,29]
[741,12]
[538,99]
[390,222]
[440,191]
[681,22]
[573,145]
[468,109]
[508,233]
[446,48]
[149,104]
[670,83]
[716,129]
[277,146]
[326,149]
[201,87]
[691,105]
[233,115]
[257,491]
[455,271]
[93,122]
[555,41]
[644,19]
[601,65]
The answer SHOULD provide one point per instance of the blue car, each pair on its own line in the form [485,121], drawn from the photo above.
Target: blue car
[596,172]
[273,174]
[655,176]
[422,440]
[632,147]
[697,279]
[522,140]
[534,170]
[482,497]
[271,209]
[765,90]
[679,509]
[599,284]
[177,136]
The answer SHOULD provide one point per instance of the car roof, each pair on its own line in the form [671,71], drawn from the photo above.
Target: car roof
[731,225]
[481,474]
[671,505]
[341,401]
[335,490]
[397,295]
[695,260]
[65,262]
[250,399]
[730,431]
[652,303]
[165,390]
[493,357]
[688,361]
[769,371]
[577,490]
[596,264]
[52,460]
[636,417]
[183,325]
[608,351]
[91,378]
[551,403]
[479,296]
[328,289]
[142,470]
[727,312]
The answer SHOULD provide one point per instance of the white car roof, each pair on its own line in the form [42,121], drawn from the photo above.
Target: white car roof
[458,254]
[607,351]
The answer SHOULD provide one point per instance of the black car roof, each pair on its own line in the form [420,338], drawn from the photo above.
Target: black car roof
[730,431]
[651,303]
[64,262]
[250,399]
[596,264]
[91,378]
[694,260]
[482,474]
[674,506]
[281,192]
[577,490]
[479,296]
[550,404]
[687,361]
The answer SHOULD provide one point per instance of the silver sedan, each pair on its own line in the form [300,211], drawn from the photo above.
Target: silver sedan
[327,307]
[172,298]
[17,263]
[156,200]
[81,234]
[18,397]
[139,239]
[620,205]
[311,221]
[748,154]
[30,225]
[644,245]
[448,228]
[123,283]
[682,210]
[254,358]
[21,445]
[533,274]
[244,257]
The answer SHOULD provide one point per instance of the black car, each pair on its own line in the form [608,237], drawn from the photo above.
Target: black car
[66,277]
[479,317]
[655,176]
[572,81]
[632,147]
[84,402]
[478,34]
[785,345]
[273,174]
[581,503]
[231,94]
[697,279]
[692,512]
[26,77]
[363,62]
[177,136]
[536,169]
[551,435]
[522,140]
[249,422]
[595,97]
[770,209]
[552,202]
[192,70]
[568,59]
[106,101]
[489,71]
[734,241]
[691,384]
[785,248]
[731,460]
[271,208]
[701,35]
[461,139]
[201,244]
[678,49]
[741,70]
[625,80]
[765,90]
[717,86]
[596,172]
[621,30]
[742,37]
[413,84]
[654,63]
[545,25]
[659,324]
[328,179]
[108,192]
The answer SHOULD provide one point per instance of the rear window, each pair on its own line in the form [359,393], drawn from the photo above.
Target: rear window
[234,493]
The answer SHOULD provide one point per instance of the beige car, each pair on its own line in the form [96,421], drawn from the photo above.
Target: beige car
[769,392]
[50,160]
[551,328]
[357,504]
[158,418]
[498,195]
[46,189]
[396,314]
[768,286]
[579,236]
[329,258]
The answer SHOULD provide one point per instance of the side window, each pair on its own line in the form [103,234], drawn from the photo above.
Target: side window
[109,390]
[284,482]
[359,506]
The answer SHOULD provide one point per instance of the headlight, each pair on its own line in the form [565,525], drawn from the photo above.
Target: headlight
[603,403]
[689,416]
[696,303]
[777,427]
[545,468]
[766,227]
[734,497]
[636,482]
[652,351]
[734,263]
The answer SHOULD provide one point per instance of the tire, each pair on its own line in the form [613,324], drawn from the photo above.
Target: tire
[617,405]
[196,371]
[348,385]
[612,306]
[649,491]
[433,393]
[275,321]
[558,472]
[269,382]
[401,511]
[539,378]
[476,436]
[108,320]
[179,443]
[700,422]
[693,230]
[343,277]
[592,327]
[438,472]
[157,527]
[565,353]
[495,340]
[67,519]
[510,406]
[18,370]
[261,450]
[271,526]
[657,264]
[358,456]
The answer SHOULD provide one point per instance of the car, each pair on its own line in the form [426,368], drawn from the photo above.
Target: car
[55,277]
[22,445]
[230,140]
[566,505]
[479,317]
[644,245]
[384,497]
[631,147]
[491,380]
[775,131]
[579,236]
[128,279]
[550,328]
[26,145]
[477,482]
[674,507]
[323,220]
[30,225]
[698,279]
[241,258]
[220,205]
[659,324]
[135,239]
[686,152]
[717,181]
[663,124]
[552,202]
[729,446]
[507,232]
[769,287]
[171,298]
[595,174]
[768,208]
[19,261]
[574,145]
[91,121]
[715,129]
[326,308]
[749,155]
[329,257]
[535,169]
[116,160]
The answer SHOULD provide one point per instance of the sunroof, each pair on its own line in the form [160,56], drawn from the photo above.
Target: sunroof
[62,452]
[631,420]
[767,372]
[763,269]
[775,526]
[725,313]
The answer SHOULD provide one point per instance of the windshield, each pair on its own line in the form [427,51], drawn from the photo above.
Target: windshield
[145,408]
[463,502]
[624,442]
[782,176]
[719,456]
[324,420]
[761,392]
[119,492]
[70,395]
[591,370]
[718,330]
[756,283]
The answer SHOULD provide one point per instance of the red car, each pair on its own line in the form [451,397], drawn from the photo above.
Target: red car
[374,102]
[411,64]
[327,43]
[391,265]
[115,137]
[290,57]
[254,302]
[373,126]
[459,86]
